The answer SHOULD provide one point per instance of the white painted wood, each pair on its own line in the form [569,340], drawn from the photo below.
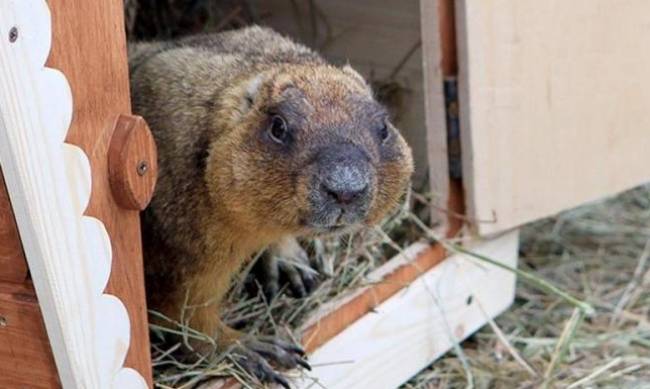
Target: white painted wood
[554,104]
[49,183]
[410,330]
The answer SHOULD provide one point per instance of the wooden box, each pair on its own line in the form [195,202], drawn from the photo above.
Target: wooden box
[550,113]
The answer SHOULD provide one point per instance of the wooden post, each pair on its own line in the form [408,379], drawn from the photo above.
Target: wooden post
[96,67]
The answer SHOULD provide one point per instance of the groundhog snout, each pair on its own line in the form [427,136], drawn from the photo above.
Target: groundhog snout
[341,194]
[346,185]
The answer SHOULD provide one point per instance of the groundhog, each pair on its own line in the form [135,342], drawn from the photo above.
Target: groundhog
[260,141]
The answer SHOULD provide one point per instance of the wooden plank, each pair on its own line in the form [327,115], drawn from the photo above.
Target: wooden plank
[431,24]
[49,182]
[25,357]
[554,105]
[411,329]
[447,28]
[13,267]
[334,317]
[96,67]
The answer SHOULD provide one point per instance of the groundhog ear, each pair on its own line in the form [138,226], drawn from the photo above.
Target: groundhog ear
[253,87]
[347,69]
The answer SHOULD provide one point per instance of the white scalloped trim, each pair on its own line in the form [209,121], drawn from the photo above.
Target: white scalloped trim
[49,182]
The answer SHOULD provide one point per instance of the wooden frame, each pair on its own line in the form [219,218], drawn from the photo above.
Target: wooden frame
[419,323]
[83,249]
[73,194]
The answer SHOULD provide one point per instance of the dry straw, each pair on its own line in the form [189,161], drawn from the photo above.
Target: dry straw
[581,317]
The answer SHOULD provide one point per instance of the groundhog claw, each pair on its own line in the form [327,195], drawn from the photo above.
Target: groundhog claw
[301,279]
[257,355]
[285,263]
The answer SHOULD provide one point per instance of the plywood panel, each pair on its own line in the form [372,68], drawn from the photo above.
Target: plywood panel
[336,315]
[555,99]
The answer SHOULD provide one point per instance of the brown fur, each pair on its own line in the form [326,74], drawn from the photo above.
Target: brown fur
[223,192]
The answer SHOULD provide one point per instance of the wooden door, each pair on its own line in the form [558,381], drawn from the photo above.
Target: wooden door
[555,99]
[64,78]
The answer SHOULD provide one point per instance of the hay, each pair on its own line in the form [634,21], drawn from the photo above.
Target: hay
[347,259]
[598,253]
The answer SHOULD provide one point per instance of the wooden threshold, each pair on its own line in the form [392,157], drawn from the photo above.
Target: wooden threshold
[336,316]
[408,331]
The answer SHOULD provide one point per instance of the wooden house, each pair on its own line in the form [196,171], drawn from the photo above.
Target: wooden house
[516,110]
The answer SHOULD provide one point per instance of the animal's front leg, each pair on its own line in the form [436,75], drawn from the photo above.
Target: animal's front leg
[285,263]
[258,356]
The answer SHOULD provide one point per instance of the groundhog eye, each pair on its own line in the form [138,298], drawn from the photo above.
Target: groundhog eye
[383,132]
[278,129]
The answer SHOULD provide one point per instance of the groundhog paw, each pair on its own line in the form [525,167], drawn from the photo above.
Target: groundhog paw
[258,355]
[285,263]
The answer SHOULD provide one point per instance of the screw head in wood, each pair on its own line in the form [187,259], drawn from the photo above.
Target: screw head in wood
[143,166]
[3,321]
[13,34]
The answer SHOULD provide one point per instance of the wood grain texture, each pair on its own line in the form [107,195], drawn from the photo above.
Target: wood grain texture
[447,29]
[554,105]
[69,254]
[412,328]
[96,68]
[333,317]
[25,356]
[13,267]
[431,22]
[132,162]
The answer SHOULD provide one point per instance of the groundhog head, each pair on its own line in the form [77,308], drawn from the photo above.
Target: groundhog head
[306,150]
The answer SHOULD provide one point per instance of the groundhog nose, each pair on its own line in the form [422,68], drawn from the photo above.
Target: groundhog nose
[346,183]
[343,189]
[345,197]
